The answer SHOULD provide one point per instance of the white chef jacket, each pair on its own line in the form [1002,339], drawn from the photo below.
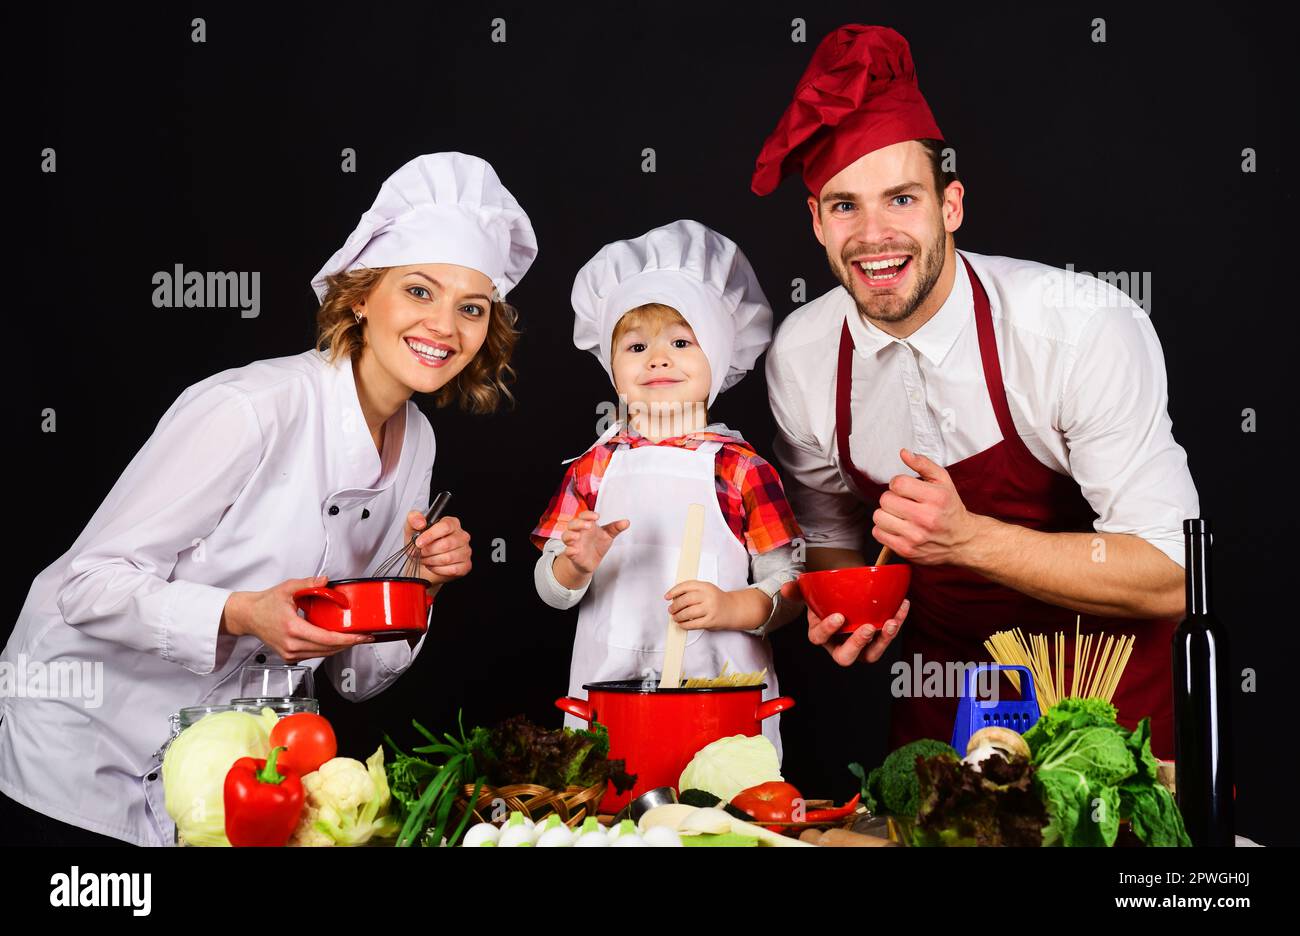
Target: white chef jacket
[255,475]
[1084,377]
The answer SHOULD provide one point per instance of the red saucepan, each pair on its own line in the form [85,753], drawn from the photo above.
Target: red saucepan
[388,608]
[657,731]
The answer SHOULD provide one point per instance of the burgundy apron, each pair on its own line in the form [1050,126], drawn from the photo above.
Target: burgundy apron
[954,610]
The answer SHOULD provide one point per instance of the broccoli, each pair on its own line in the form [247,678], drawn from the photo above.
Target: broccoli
[893,784]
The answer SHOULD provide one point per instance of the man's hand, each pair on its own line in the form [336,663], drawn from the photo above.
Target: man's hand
[863,645]
[923,519]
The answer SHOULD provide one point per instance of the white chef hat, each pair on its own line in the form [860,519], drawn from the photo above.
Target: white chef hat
[691,268]
[441,208]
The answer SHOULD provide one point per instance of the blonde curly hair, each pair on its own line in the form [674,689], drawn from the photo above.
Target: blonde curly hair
[480,387]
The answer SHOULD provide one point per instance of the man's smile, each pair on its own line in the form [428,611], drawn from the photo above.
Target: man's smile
[882,272]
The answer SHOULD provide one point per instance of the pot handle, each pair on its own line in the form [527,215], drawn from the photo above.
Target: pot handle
[773,706]
[329,594]
[578,708]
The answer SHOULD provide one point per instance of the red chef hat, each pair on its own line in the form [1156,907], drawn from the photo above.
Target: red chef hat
[858,94]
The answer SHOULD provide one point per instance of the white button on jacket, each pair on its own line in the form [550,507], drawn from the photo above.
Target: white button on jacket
[235,490]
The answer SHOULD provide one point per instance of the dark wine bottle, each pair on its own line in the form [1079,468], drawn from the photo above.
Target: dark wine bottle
[1202,720]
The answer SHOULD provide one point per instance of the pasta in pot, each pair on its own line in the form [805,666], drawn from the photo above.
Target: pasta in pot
[725,679]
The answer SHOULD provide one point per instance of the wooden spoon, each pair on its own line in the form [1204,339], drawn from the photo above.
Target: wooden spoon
[688,567]
[884,557]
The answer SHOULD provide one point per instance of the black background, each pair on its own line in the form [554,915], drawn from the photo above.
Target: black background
[225,156]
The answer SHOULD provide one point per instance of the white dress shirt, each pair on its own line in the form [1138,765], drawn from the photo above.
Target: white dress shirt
[255,475]
[1084,377]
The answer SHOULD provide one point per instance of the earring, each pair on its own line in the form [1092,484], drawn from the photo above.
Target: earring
[359,317]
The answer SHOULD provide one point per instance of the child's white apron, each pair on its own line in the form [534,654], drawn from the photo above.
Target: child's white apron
[623,618]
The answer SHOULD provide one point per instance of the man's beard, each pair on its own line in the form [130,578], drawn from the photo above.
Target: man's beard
[883,306]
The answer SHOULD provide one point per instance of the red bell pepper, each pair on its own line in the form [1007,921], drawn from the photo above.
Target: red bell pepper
[263,803]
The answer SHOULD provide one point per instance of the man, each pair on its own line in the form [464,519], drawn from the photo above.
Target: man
[999,424]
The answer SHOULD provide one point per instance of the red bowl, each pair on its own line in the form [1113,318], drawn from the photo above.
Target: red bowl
[864,594]
[386,608]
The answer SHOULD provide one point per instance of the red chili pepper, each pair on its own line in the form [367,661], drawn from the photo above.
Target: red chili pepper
[263,804]
[835,812]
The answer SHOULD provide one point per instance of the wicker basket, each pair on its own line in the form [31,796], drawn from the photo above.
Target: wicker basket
[572,805]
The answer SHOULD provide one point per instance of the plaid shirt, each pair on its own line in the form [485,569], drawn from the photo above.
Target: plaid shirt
[749,490]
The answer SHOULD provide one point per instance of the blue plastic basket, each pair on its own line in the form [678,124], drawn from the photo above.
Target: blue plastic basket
[974,714]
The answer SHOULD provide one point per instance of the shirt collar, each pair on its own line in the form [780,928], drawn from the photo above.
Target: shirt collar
[935,338]
[617,433]
[712,432]
[360,466]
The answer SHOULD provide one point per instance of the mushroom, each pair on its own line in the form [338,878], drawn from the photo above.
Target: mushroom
[995,740]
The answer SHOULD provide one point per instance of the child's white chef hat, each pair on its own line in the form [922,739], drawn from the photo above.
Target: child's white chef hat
[691,268]
[441,208]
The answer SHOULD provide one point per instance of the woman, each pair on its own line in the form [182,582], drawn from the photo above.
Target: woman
[259,481]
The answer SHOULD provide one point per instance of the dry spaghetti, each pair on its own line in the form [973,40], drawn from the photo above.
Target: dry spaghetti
[1098,666]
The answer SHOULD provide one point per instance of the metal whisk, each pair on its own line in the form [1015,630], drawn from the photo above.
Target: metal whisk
[409,554]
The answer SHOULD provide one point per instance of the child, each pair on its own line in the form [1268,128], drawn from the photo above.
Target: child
[675,316]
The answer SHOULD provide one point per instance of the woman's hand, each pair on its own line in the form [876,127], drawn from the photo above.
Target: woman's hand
[697,605]
[586,541]
[444,548]
[272,617]
[862,645]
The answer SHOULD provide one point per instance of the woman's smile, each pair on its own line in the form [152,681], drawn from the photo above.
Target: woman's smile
[430,353]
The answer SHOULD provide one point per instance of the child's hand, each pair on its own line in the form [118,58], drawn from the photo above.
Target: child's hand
[703,605]
[586,541]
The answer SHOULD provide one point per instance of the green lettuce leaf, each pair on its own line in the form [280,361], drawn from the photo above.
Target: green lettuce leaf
[1070,715]
[1153,814]
[1091,772]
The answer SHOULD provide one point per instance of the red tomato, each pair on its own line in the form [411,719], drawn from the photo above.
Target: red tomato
[309,739]
[770,802]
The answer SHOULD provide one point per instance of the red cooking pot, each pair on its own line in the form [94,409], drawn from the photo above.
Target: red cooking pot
[387,608]
[657,731]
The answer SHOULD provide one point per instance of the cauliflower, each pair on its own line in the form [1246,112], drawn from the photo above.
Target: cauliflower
[345,803]
[341,783]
